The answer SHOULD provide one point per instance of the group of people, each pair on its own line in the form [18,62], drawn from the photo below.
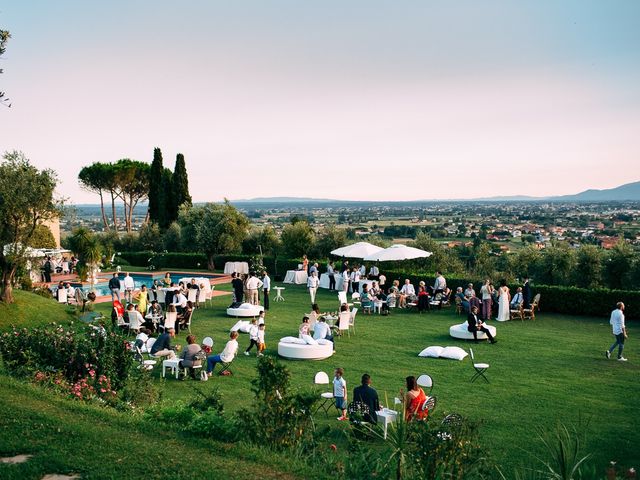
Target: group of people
[51,265]
[366,401]
[247,288]
[492,301]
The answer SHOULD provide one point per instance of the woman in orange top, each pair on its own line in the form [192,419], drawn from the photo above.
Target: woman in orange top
[305,263]
[414,400]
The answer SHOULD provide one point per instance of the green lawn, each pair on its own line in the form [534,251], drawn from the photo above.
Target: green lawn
[541,372]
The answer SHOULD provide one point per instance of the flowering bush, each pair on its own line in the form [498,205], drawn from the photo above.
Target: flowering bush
[92,361]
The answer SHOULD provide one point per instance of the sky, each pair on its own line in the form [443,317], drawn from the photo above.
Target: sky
[353,100]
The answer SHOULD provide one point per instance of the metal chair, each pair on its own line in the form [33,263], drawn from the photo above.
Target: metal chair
[326,398]
[530,312]
[425,381]
[480,368]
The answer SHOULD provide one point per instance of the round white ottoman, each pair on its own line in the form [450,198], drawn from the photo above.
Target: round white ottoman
[460,331]
[295,351]
[245,310]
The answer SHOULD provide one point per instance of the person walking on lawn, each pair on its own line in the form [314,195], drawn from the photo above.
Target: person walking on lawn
[619,331]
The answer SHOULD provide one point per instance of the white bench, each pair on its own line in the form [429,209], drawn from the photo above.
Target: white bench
[295,351]
[461,331]
[245,310]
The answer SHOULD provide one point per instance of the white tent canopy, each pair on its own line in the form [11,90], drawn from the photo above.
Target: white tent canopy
[356,250]
[397,252]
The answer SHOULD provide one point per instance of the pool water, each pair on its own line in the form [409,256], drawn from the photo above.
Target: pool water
[102,287]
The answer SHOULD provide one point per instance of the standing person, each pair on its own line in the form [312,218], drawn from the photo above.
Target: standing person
[114,287]
[331,275]
[503,302]
[526,293]
[227,355]
[475,325]
[262,346]
[128,287]
[355,280]
[48,269]
[345,279]
[340,393]
[143,299]
[266,288]
[154,289]
[368,396]
[486,291]
[305,263]
[166,281]
[313,282]
[238,287]
[382,280]
[374,272]
[253,337]
[440,285]
[253,285]
[619,331]
[313,268]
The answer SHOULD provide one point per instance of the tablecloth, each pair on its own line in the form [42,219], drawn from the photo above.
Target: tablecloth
[299,277]
[239,267]
[324,281]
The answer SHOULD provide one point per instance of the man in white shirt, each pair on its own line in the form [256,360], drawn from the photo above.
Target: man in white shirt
[331,275]
[382,279]
[253,284]
[619,331]
[322,330]
[128,287]
[266,288]
[313,282]
[345,280]
[179,301]
[355,281]
[374,272]
[407,293]
[440,284]
[313,268]
[517,299]
[226,356]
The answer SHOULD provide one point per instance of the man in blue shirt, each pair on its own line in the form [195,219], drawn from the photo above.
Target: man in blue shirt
[619,331]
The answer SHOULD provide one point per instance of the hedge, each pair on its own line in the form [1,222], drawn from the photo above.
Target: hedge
[559,299]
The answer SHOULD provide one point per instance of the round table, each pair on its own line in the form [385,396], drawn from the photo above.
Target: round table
[278,297]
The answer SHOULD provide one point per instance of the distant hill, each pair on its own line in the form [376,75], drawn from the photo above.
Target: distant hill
[629,191]
[282,200]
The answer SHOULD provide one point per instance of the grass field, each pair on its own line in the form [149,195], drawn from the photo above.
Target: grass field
[541,372]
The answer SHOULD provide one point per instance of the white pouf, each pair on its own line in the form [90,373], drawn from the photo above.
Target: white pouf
[297,351]
[460,331]
[245,310]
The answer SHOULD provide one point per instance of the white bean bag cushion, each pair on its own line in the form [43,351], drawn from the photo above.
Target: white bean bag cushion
[433,352]
[460,331]
[454,353]
[295,351]
[324,341]
[308,339]
[241,326]
[295,340]
[245,310]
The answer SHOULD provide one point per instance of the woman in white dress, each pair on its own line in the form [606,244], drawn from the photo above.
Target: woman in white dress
[503,302]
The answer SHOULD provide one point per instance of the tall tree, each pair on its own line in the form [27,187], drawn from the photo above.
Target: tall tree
[92,178]
[297,239]
[26,200]
[155,186]
[180,184]
[4,38]
[168,213]
[132,179]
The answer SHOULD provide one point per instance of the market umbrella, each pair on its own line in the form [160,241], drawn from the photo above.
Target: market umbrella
[397,252]
[356,250]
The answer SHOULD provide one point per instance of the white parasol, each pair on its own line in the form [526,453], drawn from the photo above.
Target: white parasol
[356,250]
[397,252]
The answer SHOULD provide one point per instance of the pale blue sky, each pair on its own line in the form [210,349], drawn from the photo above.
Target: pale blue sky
[352,100]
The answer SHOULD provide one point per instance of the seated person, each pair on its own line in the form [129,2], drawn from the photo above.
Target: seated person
[368,396]
[469,291]
[413,400]
[141,339]
[474,302]
[463,300]
[154,316]
[392,298]
[314,316]
[304,327]
[423,299]
[70,291]
[407,293]
[227,355]
[322,330]
[374,290]
[188,358]
[162,346]
[475,324]
[179,301]
[366,300]
[516,301]
[185,316]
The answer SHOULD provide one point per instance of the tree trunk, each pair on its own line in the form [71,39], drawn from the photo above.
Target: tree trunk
[104,215]
[6,295]
[113,211]
[210,263]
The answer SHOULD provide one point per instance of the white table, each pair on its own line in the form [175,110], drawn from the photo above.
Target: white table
[173,365]
[278,297]
[388,416]
[324,280]
[239,267]
[298,277]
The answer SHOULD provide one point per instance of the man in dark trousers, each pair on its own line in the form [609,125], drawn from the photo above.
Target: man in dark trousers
[266,288]
[238,286]
[526,293]
[369,397]
[476,325]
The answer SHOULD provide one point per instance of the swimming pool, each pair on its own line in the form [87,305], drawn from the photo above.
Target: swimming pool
[102,287]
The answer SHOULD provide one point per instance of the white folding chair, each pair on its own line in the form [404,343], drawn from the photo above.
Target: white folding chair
[192,296]
[352,320]
[326,398]
[62,295]
[344,319]
[480,368]
[134,324]
[170,320]
[355,298]
[342,297]
[425,381]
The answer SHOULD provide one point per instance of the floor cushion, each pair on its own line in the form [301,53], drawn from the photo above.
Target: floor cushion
[296,351]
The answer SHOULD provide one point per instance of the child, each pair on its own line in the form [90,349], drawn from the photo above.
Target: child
[253,337]
[304,327]
[261,318]
[261,345]
[340,393]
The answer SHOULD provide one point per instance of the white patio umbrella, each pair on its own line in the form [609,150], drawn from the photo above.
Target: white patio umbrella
[356,250]
[397,252]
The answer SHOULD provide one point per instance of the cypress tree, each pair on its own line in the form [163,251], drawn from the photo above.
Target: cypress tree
[180,184]
[169,210]
[155,187]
